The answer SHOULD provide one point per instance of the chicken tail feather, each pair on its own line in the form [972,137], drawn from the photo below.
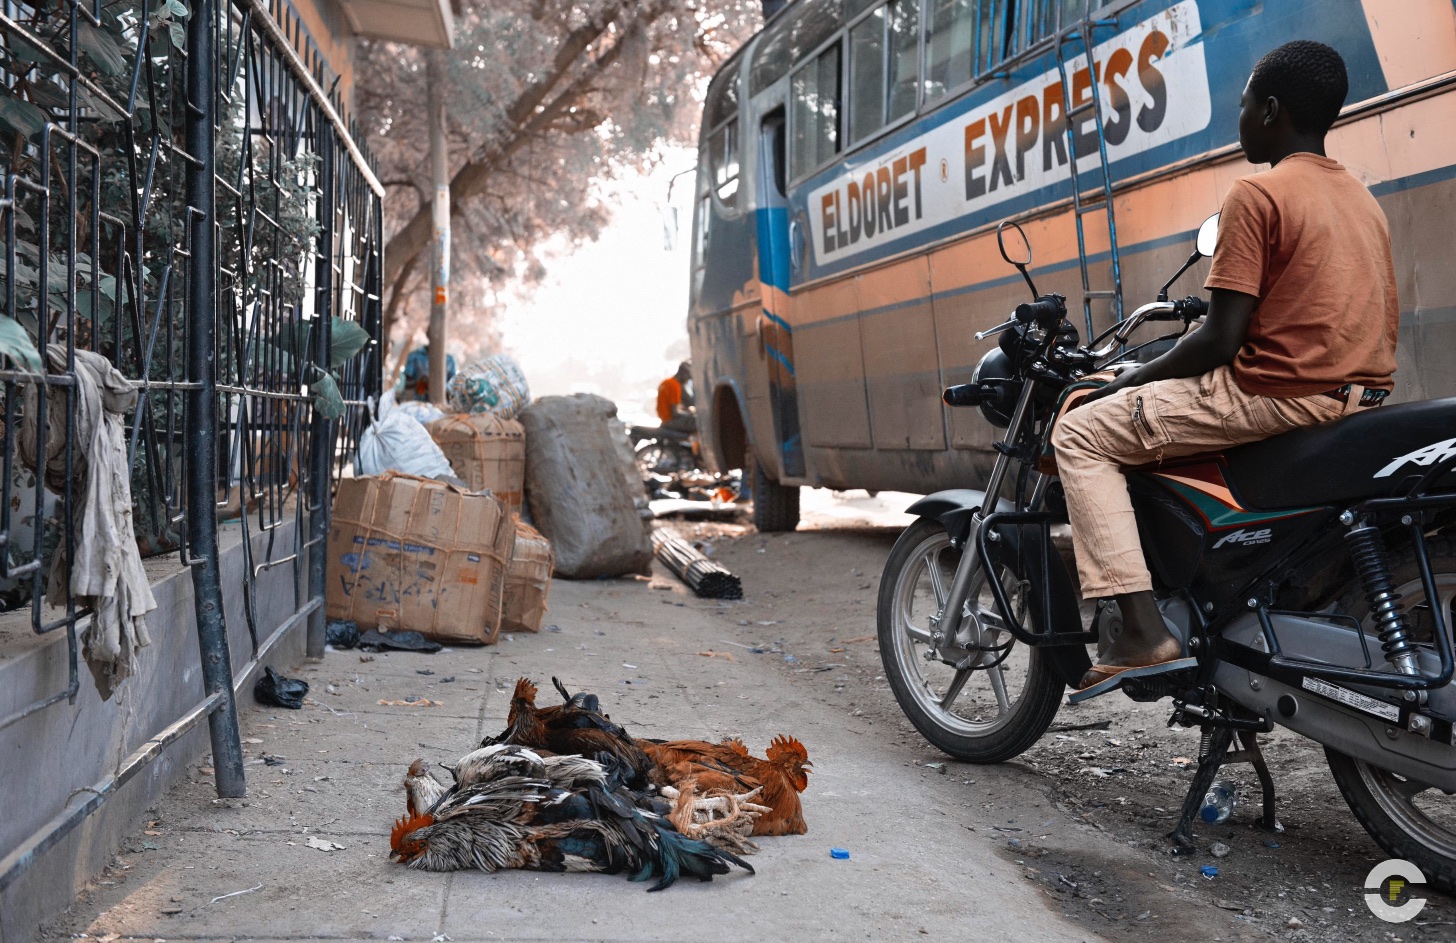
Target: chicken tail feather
[678,855]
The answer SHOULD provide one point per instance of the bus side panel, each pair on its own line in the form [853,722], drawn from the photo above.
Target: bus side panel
[831,368]
[902,367]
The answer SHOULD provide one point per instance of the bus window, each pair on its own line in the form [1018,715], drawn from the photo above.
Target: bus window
[884,65]
[799,32]
[723,155]
[815,128]
[867,76]
[700,238]
[949,38]
[904,58]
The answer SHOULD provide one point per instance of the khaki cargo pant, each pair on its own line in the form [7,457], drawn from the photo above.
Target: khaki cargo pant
[1149,423]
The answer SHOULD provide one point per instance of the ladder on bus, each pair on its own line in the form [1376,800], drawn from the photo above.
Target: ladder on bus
[1098,198]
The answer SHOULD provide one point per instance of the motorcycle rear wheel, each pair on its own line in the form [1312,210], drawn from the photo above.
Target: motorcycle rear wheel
[980,715]
[1407,818]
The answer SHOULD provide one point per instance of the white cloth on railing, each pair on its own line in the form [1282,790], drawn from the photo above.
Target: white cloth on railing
[107,574]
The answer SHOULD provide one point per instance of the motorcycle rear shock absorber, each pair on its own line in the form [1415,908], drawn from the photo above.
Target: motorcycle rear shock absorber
[1367,553]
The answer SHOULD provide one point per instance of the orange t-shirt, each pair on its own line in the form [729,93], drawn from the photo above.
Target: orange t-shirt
[1310,242]
[669,395]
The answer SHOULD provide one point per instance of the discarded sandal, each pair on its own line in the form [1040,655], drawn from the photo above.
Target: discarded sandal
[1114,675]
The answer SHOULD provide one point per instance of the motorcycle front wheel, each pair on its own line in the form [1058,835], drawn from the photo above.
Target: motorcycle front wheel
[988,712]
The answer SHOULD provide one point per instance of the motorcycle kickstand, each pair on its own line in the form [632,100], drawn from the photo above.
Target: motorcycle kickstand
[1254,756]
[1219,741]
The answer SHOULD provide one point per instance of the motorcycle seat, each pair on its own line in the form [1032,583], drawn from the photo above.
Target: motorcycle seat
[1373,453]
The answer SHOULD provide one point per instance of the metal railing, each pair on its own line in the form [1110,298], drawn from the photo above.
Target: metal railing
[182,197]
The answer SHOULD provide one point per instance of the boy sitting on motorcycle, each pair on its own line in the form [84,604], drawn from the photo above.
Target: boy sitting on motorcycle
[1301,329]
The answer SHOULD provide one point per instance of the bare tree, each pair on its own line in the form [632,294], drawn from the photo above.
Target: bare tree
[547,99]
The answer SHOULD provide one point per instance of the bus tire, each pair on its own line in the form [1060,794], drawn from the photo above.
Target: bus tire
[775,506]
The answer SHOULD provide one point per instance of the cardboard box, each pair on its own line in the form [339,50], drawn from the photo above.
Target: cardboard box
[528,581]
[414,553]
[487,452]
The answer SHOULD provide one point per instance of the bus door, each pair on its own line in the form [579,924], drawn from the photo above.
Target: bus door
[775,336]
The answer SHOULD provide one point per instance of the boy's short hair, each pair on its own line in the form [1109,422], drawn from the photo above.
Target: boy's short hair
[1308,78]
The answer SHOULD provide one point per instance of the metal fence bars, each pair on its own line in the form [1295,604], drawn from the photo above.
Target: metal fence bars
[182,198]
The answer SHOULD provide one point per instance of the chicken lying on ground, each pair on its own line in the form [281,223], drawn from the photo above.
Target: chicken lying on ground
[729,767]
[513,808]
[575,727]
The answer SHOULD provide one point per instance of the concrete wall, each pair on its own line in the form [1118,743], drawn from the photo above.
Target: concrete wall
[46,757]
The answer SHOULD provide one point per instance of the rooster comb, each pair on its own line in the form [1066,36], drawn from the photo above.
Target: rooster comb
[404,826]
[787,748]
[525,691]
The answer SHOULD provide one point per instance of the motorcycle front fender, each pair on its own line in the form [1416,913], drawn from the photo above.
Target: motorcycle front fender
[955,509]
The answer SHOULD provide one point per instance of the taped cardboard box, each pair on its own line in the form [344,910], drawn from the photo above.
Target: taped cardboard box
[528,582]
[414,553]
[487,452]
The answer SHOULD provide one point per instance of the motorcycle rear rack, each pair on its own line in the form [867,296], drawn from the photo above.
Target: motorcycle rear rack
[1003,603]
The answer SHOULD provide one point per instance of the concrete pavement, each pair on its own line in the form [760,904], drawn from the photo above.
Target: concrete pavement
[329,776]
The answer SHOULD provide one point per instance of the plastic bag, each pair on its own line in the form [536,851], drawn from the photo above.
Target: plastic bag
[396,441]
[426,412]
[407,641]
[493,384]
[341,633]
[277,691]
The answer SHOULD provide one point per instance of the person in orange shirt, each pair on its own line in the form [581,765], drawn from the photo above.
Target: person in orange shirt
[675,401]
[1301,329]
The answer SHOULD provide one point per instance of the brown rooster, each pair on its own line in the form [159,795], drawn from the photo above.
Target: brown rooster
[728,768]
[575,727]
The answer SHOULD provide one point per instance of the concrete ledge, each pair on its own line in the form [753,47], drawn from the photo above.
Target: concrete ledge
[48,759]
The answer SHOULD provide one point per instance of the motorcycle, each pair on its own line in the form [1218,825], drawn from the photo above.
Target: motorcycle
[668,462]
[1311,575]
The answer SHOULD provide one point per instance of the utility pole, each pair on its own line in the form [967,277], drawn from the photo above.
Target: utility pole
[436,74]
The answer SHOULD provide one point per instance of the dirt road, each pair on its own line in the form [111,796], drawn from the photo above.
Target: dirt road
[1064,844]
[1083,814]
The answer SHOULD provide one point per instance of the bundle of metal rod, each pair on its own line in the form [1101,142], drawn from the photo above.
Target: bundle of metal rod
[702,575]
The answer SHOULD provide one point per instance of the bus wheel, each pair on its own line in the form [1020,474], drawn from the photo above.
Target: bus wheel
[775,506]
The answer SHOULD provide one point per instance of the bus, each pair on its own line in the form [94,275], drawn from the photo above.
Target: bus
[856,156]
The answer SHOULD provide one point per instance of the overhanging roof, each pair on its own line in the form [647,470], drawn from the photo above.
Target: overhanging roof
[413,22]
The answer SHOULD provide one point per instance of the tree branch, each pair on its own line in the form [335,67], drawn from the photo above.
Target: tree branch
[531,114]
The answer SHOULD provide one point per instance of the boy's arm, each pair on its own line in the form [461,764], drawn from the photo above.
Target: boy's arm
[1214,344]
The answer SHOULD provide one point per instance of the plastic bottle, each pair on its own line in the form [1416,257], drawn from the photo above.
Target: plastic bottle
[1218,803]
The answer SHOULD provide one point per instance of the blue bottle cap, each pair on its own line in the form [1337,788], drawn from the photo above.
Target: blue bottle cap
[1209,871]
[1208,813]
[839,853]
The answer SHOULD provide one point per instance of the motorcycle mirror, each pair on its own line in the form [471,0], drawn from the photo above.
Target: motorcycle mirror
[1208,236]
[1203,246]
[1011,240]
[1015,249]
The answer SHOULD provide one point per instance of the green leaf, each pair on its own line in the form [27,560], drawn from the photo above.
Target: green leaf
[101,48]
[47,95]
[21,116]
[23,50]
[179,35]
[178,8]
[16,344]
[326,396]
[346,338]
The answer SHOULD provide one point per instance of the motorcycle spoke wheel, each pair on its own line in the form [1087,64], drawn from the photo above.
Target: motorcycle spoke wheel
[977,710]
